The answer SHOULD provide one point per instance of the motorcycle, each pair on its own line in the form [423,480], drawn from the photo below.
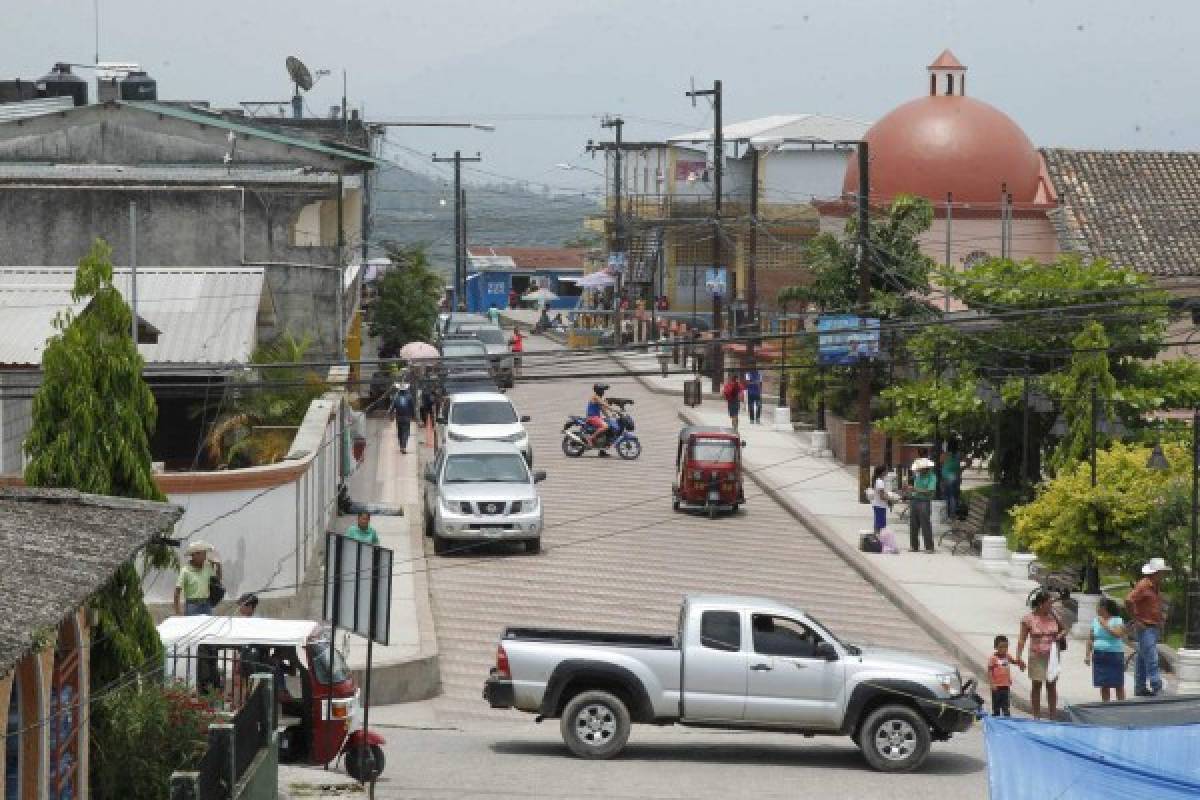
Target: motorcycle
[577,434]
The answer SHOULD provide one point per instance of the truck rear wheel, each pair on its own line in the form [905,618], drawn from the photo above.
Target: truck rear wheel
[595,725]
[894,738]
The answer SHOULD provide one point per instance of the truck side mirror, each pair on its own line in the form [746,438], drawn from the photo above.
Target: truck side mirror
[539,476]
[526,418]
[825,650]
[742,443]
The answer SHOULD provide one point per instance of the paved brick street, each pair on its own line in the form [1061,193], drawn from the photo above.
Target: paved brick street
[617,557]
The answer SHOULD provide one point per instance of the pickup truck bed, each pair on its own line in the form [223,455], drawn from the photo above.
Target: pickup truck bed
[565,636]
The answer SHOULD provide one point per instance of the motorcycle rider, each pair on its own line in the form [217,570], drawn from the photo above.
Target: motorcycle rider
[597,411]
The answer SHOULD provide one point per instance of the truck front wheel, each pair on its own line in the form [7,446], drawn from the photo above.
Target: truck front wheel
[894,739]
[595,725]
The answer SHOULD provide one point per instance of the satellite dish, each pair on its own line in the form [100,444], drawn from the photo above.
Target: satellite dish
[299,73]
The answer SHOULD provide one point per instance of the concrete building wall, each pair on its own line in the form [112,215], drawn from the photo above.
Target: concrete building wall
[798,176]
[972,239]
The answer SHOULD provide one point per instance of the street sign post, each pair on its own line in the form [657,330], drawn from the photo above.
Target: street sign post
[358,597]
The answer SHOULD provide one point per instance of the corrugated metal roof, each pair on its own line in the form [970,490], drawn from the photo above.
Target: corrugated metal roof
[24,109]
[250,130]
[167,174]
[793,128]
[206,315]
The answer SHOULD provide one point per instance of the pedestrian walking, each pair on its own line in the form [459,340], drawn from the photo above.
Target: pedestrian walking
[1106,650]
[193,589]
[663,353]
[493,315]
[753,382]
[1144,607]
[999,669]
[951,479]
[881,499]
[361,530]
[1044,632]
[921,492]
[517,347]
[427,404]
[732,392]
[402,412]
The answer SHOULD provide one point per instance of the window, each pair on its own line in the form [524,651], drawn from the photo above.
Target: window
[780,636]
[482,414]
[721,630]
[65,711]
[949,84]
[715,450]
[486,468]
[319,652]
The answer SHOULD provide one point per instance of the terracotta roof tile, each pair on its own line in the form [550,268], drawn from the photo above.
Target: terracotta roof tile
[1135,208]
[946,61]
[536,257]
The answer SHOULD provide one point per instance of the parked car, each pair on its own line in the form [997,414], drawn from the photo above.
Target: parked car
[464,360]
[496,342]
[483,416]
[735,662]
[481,491]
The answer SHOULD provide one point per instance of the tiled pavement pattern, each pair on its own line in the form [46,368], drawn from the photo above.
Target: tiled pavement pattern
[616,557]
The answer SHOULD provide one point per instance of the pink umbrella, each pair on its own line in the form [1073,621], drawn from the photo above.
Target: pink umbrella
[419,351]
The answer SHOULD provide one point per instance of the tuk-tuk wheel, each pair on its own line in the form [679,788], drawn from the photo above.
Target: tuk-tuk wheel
[365,764]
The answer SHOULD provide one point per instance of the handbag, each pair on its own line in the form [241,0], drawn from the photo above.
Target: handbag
[216,590]
[1061,641]
[1053,665]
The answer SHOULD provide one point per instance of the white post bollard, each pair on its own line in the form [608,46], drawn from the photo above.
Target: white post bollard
[820,444]
[1018,573]
[783,419]
[1187,668]
[1087,612]
[993,554]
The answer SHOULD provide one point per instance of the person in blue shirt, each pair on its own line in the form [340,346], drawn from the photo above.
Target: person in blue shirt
[402,410]
[1106,650]
[753,384]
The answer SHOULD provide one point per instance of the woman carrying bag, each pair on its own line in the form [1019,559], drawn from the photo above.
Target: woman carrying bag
[1047,638]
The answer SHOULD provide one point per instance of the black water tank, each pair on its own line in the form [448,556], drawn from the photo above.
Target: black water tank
[138,86]
[59,82]
[16,90]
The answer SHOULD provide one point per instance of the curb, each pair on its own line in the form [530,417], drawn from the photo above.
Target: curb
[958,647]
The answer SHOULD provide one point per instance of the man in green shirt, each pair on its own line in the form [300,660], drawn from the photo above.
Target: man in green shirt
[924,487]
[362,531]
[194,586]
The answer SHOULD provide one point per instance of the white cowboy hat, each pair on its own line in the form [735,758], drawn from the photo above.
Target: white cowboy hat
[1155,565]
[922,463]
[198,546]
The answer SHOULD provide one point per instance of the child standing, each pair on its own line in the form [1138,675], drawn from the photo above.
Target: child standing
[1000,677]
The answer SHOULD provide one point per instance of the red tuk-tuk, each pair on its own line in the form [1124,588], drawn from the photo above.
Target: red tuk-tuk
[316,695]
[708,469]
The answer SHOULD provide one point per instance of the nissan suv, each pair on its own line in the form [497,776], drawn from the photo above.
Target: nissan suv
[481,492]
[483,416]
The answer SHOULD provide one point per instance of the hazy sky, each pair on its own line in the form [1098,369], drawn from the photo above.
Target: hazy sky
[1074,73]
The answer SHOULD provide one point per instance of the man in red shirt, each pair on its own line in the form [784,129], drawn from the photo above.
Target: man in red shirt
[1144,606]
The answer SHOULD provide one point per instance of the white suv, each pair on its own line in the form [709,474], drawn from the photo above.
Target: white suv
[481,492]
[483,416]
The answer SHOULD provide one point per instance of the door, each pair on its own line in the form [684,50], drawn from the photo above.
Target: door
[788,684]
[714,669]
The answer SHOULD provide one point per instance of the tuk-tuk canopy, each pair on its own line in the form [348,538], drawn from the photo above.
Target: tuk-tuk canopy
[188,632]
[715,431]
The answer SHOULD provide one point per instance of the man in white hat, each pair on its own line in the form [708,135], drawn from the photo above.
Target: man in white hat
[194,587]
[1145,609]
[920,517]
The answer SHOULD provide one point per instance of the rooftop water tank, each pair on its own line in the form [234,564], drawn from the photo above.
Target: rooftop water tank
[137,85]
[59,82]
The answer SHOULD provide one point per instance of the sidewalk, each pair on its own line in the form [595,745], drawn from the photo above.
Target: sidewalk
[406,669]
[956,602]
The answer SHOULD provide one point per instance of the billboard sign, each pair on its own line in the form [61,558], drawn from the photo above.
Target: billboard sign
[846,339]
[714,280]
[358,587]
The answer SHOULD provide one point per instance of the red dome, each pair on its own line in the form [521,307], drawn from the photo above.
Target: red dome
[948,143]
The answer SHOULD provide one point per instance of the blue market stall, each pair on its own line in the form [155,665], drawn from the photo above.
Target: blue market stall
[495,275]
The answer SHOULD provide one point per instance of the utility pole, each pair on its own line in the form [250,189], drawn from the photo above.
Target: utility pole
[864,303]
[718,173]
[460,253]
[752,259]
[618,240]
[462,239]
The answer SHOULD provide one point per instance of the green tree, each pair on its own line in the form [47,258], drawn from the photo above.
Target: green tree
[407,306]
[255,426]
[93,417]
[1088,373]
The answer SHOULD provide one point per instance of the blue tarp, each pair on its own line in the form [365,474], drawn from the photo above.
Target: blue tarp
[1029,760]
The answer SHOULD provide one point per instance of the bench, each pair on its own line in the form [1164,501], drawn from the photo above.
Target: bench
[964,532]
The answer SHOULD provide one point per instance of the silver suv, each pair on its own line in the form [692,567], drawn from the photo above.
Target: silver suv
[481,492]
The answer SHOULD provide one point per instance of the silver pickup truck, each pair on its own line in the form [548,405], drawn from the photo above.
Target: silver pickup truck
[739,663]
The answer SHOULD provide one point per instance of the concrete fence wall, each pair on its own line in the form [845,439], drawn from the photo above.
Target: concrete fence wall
[266,523]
